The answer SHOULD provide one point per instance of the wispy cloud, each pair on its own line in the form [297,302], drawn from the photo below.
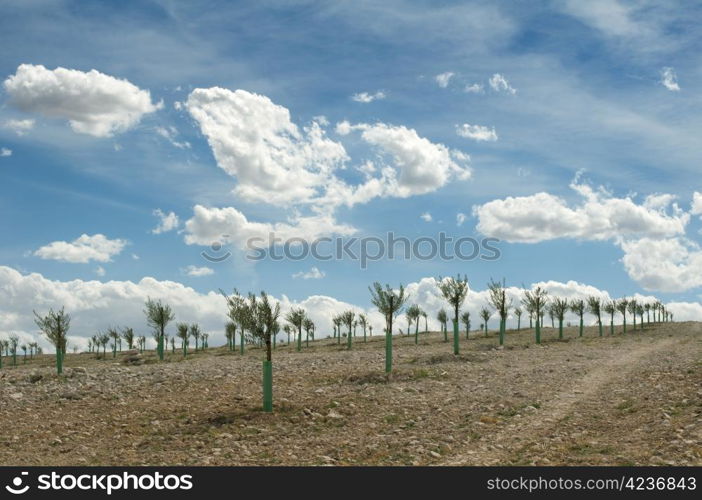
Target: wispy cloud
[366,97]
[476,132]
[669,79]
[312,274]
[443,79]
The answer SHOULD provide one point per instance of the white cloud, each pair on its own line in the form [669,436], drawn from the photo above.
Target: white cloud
[254,140]
[198,271]
[543,216]
[460,218]
[170,134]
[669,79]
[177,105]
[685,311]
[499,83]
[93,103]
[5,152]
[100,271]
[365,97]
[20,127]
[475,88]
[135,256]
[443,79]
[312,274]
[476,132]
[83,249]
[168,221]
[426,217]
[209,225]
[667,265]
[696,208]
[419,166]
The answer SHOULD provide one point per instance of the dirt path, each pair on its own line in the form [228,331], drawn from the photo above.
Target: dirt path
[538,426]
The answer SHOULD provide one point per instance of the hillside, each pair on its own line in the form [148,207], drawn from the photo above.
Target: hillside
[628,399]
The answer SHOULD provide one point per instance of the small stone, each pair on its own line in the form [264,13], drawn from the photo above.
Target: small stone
[16,396]
[434,454]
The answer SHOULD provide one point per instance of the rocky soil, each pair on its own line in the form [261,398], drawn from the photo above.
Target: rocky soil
[628,399]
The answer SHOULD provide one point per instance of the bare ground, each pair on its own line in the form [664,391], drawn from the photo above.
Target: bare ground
[633,399]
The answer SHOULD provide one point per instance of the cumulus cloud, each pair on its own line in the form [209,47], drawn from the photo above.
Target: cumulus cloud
[443,79]
[198,271]
[417,165]
[312,274]
[667,265]
[426,217]
[499,83]
[83,249]
[669,79]
[5,152]
[20,127]
[255,141]
[93,103]
[476,132]
[543,216]
[208,225]
[167,221]
[100,271]
[365,97]
[278,163]
[460,218]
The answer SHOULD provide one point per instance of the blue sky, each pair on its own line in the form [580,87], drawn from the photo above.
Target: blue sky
[602,94]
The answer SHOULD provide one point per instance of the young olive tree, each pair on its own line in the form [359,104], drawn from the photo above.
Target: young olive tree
[485,316]
[413,313]
[442,318]
[454,291]
[296,317]
[577,306]
[128,336]
[622,306]
[230,334]
[499,300]
[465,317]
[55,326]
[389,302]
[347,318]
[559,307]
[158,315]
[183,333]
[363,321]
[610,307]
[594,306]
[518,314]
[308,325]
[631,308]
[536,300]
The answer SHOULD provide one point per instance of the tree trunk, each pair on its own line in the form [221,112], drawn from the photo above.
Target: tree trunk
[581,326]
[388,345]
[502,331]
[268,379]
[456,347]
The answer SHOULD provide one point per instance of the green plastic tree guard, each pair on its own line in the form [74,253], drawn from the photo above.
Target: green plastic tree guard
[268,386]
